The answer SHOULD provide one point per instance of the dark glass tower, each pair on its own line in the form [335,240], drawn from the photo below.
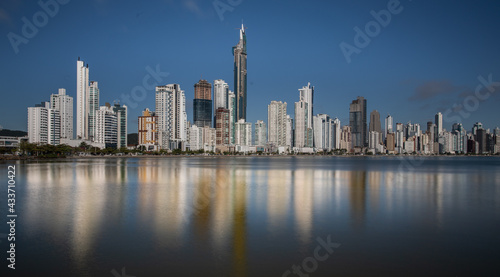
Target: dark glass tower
[357,121]
[202,104]
[240,75]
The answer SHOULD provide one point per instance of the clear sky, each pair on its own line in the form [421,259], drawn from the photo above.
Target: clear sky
[426,58]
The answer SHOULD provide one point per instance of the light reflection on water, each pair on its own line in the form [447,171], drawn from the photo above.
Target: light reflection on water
[255,216]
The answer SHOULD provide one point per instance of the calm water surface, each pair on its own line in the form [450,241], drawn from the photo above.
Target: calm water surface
[256,216]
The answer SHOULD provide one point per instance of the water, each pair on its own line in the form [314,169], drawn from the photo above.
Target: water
[256,216]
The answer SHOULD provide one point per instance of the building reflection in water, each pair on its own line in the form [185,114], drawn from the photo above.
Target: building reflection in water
[208,202]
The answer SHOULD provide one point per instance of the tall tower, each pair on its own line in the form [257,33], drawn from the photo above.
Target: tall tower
[240,75]
[64,104]
[172,119]
[307,95]
[92,107]
[357,121]
[439,123]
[202,104]
[82,88]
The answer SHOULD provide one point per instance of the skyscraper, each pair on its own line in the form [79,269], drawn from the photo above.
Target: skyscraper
[64,104]
[243,131]
[375,122]
[148,130]
[223,128]
[303,132]
[221,96]
[172,118]
[82,86]
[323,132]
[260,133]
[357,121]
[106,126]
[439,123]
[388,125]
[307,95]
[336,128]
[202,104]
[92,107]
[240,75]
[121,117]
[44,124]
[232,115]
[277,120]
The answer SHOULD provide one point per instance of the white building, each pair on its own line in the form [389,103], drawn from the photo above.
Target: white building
[92,107]
[209,139]
[374,141]
[323,134]
[243,132]
[277,123]
[196,138]
[289,132]
[389,124]
[44,124]
[303,131]
[106,126]
[336,128]
[307,95]
[439,123]
[221,94]
[260,133]
[232,115]
[64,104]
[82,87]
[172,117]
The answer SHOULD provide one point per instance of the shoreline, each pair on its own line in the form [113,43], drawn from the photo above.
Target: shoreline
[90,157]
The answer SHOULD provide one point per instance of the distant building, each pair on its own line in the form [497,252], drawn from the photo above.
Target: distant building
[106,126]
[172,118]
[357,122]
[121,117]
[260,133]
[64,104]
[223,128]
[438,120]
[323,133]
[345,138]
[82,90]
[277,123]
[148,130]
[389,124]
[92,108]
[243,131]
[303,131]
[240,75]
[44,124]
[202,104]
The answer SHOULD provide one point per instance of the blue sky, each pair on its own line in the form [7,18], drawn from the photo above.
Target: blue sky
[428,58]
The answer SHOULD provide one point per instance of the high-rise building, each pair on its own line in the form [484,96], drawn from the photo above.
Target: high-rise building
[221,94]
[481,138]
[336,128]
[106,126]
[303,131]
[172,118]
[82,87]
[290,133]
[346,138]
[148,130]
[121,117]
[476,126]
[202,104]
[375,122]
[260,133]
[223,128]
[388,125]
[44,124]
[240,75]
[277,123]
[243,131]
[231,98]
[357,121]
[64,104]
[307,95]
[438,120]
[92,107]
[323,135]
[196,138]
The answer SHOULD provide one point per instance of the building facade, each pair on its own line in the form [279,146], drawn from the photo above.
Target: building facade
[148,130]
[202,104]
[172,117]
[357,122]
[64,104]
[240,75]
[277,123]
[82,87]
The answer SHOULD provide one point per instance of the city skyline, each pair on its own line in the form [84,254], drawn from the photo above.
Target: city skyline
[272,78]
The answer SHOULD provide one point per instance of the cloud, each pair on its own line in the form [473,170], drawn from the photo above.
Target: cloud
[432,89]
[192,6]
[4,16]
